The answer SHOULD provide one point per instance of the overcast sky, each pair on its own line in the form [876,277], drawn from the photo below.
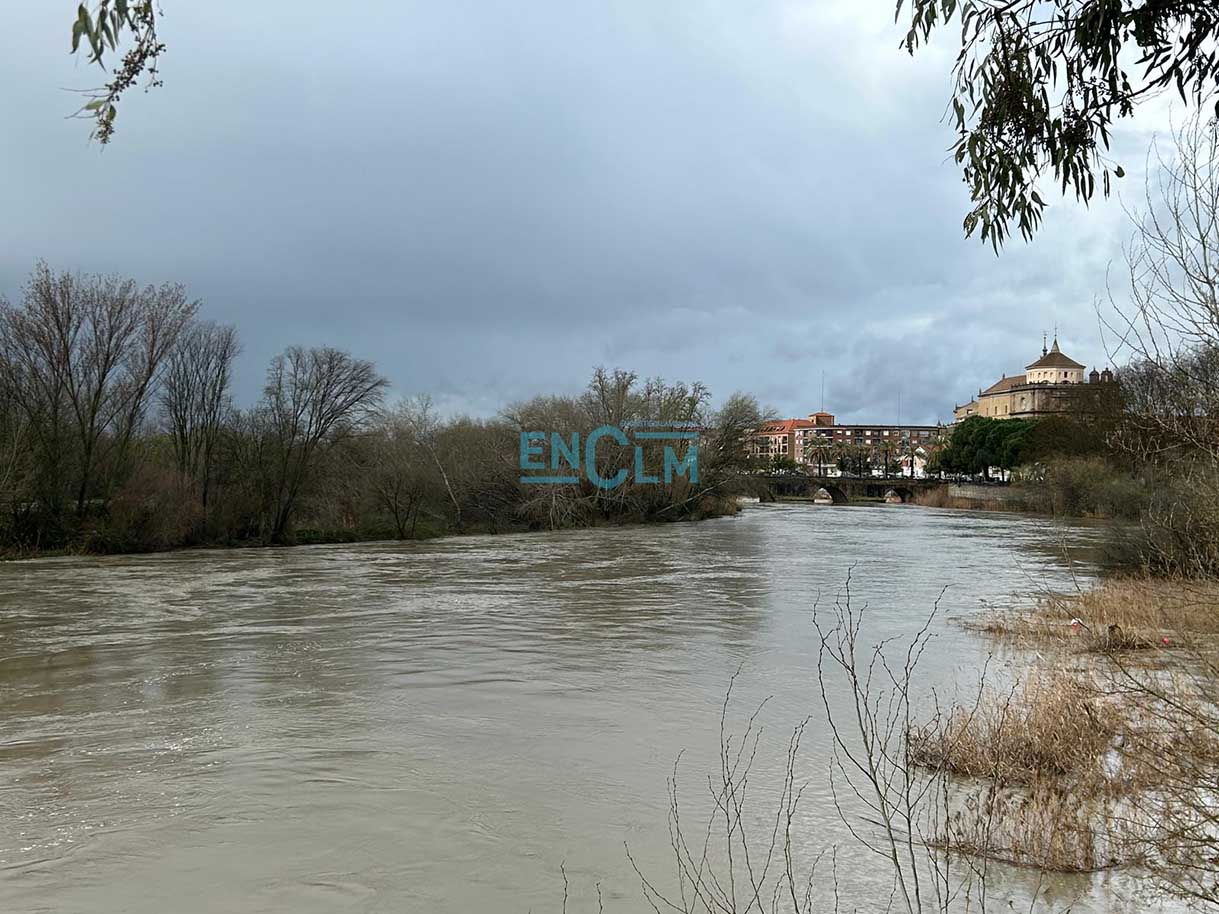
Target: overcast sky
[490,198]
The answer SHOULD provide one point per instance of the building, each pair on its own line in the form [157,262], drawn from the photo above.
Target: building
[1049,385]
[820,443]
[775,439]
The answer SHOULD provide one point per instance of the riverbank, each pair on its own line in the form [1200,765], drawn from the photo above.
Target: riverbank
[967,497]
[423,530]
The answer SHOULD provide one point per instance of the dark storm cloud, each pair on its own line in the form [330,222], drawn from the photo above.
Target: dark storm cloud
[490,198]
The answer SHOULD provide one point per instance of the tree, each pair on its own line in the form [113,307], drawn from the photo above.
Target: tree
[1167,323]
[313,398]
[81,356]
[426,427]
[1171,321]
[854,459]
[399,470]
[1038,84]
[781,463]
[724,445]
[195,399]
[979,443]
[909,453]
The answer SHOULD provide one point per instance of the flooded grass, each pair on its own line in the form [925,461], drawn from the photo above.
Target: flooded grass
[1042,775]
[1043,827]
[1052,724]
[1122,614]
[1093,763]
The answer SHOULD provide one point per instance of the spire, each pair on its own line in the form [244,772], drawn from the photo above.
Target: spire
[1054,348]
[1043,349]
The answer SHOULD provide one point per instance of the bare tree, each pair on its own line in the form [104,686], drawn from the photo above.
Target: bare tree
[1172,261]
[400,470]
[313,397]
[246,474]
[425,425]
[1168,325]
[82,355]
[903,805]
[195,399]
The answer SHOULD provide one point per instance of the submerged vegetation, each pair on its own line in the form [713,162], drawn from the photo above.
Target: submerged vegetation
[1049,724]
[1123,736]
[1123,613]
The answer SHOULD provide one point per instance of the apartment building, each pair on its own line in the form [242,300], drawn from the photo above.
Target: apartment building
[819,440]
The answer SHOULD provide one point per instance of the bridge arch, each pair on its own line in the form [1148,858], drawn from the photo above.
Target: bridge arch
[831,492]
[841,489]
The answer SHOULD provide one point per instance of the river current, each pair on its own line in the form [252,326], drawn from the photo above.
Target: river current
[441,726]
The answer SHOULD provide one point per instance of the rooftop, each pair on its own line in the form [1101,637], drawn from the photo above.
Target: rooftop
[1004,384]
[1054,359]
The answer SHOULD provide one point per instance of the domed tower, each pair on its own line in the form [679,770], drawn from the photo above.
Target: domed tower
[1054,367]
[1093,376]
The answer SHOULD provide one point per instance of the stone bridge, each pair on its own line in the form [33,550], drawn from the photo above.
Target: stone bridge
[844,488]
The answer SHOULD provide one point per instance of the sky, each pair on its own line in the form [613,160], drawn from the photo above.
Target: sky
[488,199]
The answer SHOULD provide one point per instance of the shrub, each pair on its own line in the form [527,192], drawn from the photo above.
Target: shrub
[151,511]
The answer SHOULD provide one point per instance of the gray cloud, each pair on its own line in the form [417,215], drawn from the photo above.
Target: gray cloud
[489,198]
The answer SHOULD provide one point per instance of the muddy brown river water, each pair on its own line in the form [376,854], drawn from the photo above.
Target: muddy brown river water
[438,726]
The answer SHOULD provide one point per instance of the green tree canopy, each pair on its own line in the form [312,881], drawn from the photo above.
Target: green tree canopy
[979,443]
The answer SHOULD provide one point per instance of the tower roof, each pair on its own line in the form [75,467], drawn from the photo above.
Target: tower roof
[1054,359]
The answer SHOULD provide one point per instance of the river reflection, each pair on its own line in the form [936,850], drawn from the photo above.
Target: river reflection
[437,726]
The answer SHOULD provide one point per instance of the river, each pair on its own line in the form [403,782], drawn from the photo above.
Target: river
[439,726]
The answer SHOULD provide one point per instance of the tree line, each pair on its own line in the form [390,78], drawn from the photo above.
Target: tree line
[119,432]
[981,444]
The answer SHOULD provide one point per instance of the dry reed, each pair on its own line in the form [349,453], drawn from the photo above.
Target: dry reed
[1051,725]
[1121,614]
